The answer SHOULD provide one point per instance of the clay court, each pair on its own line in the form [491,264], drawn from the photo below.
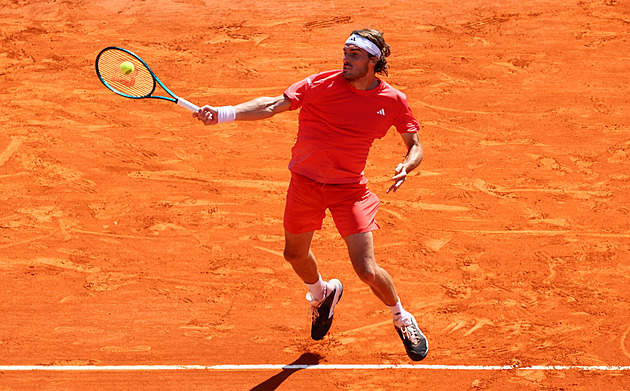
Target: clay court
[132,235]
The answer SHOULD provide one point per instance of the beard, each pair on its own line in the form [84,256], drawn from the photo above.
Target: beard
[355,73]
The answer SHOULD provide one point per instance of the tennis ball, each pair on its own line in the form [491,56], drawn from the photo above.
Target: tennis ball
[126,67]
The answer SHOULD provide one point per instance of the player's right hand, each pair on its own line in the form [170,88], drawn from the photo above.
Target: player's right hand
[207,115]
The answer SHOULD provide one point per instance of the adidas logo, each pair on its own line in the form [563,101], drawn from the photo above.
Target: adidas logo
[381,112]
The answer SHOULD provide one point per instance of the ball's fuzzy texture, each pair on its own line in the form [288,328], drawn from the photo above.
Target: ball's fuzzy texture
[126,67]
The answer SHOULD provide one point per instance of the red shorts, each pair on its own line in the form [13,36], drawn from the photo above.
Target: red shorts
[353,206]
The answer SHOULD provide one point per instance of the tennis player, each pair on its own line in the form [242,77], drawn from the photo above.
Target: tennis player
[341,113]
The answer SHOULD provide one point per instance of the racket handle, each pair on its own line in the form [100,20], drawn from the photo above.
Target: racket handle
[187,105]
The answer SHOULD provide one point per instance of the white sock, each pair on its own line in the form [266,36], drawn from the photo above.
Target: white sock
[397,310]
[317,289]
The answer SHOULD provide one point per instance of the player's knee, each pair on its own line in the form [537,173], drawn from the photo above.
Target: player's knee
[368,275]
[294,257]
[289,256]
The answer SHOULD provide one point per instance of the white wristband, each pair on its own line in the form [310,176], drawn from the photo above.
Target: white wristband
[225,114]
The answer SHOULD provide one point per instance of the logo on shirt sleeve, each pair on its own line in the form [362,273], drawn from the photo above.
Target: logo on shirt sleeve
[381,112]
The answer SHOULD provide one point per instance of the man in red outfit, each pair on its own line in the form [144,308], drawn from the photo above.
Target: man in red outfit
[342,112]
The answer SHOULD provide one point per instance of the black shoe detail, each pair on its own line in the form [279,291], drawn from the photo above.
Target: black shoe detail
[415,342]
[322,315]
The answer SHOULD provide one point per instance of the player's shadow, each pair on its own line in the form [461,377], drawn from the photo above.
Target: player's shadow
[304,361]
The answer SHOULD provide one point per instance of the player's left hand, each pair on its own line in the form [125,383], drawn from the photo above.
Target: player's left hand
[399,178]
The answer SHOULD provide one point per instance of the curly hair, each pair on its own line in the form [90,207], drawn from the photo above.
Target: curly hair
[376,37]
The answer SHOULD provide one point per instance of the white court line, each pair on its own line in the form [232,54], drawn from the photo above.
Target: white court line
[144,368]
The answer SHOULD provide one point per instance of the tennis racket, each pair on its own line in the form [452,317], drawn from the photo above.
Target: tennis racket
[138,84]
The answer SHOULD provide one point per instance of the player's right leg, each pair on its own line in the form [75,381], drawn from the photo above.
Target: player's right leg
[323,296]
[297,251]
[304,211]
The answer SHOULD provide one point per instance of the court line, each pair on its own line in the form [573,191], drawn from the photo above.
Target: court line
[534,232]
[258,367]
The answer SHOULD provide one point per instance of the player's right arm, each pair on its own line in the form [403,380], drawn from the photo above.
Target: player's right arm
[259,108]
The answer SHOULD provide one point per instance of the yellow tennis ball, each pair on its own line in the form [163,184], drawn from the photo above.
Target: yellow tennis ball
[126,67]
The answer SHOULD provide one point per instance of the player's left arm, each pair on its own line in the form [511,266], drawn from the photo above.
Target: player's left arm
[412,159]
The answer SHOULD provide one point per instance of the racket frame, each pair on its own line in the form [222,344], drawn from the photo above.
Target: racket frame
[172,98]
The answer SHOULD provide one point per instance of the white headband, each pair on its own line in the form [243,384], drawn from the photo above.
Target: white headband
[363,43]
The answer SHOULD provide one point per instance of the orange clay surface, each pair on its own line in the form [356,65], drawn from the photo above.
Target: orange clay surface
[131,234]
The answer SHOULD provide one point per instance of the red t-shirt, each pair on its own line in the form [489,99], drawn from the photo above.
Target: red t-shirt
[338,124]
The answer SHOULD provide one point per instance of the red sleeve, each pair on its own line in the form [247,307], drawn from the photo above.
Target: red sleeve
[406,122]
[296,92]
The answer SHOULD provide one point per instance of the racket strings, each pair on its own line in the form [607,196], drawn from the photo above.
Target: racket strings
[137,84]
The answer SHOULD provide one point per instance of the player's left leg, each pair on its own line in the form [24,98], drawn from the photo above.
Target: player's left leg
[361,251]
